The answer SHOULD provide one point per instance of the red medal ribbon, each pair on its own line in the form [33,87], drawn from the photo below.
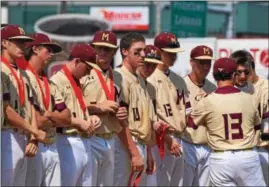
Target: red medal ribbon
[76,88]
[46,95]
[109,94]
[20,82]
[137,179]
[160,141]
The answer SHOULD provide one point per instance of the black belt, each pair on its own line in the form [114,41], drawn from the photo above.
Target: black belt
[60,130]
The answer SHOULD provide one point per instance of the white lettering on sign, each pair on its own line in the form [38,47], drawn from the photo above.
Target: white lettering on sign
[190,6]
[182,20]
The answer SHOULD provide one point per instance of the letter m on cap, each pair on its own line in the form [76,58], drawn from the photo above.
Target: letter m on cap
[206,50]
[105,36]
[21,31]
[153,52]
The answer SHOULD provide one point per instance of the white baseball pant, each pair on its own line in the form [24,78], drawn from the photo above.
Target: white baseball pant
[196,161]
[170,170]
[13,161]
[44,168]
[151,180]
[264,158]
[75,160]
[122,164]
[102,161]
[235,168]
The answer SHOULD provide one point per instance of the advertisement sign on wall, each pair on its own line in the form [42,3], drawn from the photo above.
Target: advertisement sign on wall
[124,18]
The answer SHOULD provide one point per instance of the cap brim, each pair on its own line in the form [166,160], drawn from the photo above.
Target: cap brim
[155,61]
[26,38]
[204,58]
[105,44]
[173,50]
[56,48]
[93,65]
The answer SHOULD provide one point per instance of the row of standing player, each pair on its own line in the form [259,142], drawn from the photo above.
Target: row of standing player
[105,93]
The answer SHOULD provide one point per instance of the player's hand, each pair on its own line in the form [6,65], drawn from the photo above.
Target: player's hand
[84,126]
[173,146]
[150,163]
[94,122]
[122,113]
[157,126]
[31,148]
[108,106]
[41,136]
[137,163]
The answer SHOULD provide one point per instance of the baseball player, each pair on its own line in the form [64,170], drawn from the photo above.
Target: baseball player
[258,87]
[136,99]
[195,148]
[44,168]
[171,102]
[101,96]
[74,143]
[151,60]
[18,109]
[231,128]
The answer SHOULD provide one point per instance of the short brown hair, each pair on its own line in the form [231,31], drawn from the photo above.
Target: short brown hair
[130,38]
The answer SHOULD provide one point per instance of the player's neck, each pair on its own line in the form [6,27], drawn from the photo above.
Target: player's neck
[129,67]
[225,83]
[141,74]
[199,81]
[71,67]
[162,67]
[36,65]
[8,57]
[104,70]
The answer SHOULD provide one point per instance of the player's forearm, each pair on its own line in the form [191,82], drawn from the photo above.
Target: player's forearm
[149,147]
[61,119]
[34,122]
[44,122]
[126,138]
[149,153]
[15,120]
[76,122]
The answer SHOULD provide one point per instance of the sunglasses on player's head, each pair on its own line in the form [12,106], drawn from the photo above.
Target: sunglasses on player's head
[239,72]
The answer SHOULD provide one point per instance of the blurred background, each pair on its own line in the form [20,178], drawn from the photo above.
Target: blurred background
[223,26]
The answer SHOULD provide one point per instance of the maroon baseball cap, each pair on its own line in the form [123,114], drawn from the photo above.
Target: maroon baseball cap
[14,32]
[226,65]
[85,53]
[202,52]
[105,38]
[43,39]
[168,42]
[152,54]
